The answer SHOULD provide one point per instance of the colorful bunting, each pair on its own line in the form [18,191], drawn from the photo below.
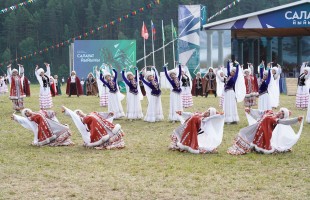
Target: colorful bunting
[14,7]
[224,9]
[91,31]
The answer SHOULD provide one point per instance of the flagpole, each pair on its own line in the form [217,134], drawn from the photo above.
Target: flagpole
[163,30]
[173,51]
[144,49]
[153,42]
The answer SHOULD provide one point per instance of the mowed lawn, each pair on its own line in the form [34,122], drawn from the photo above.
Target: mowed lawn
[145,169]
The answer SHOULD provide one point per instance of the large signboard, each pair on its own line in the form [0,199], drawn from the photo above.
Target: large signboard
[297,16]
[294,17]
[118,54]
[190,20]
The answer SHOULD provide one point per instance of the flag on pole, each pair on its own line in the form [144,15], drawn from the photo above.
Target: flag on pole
[163,30]
[175,35]
[144,32]
[153,29]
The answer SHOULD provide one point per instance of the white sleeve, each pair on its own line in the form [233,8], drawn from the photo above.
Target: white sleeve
[30,125]
[38,77]
[79,125]
[288,121]
[256,114]
[184,116]
[9,72]
[48,70]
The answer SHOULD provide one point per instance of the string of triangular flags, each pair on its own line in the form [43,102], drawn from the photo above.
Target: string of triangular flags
[224,9]
[84,35]
[16,6]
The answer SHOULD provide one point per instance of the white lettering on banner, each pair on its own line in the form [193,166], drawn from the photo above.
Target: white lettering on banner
[288,12]
[303,13]
[90,60]
[85,55]
[295,16]
[298,17]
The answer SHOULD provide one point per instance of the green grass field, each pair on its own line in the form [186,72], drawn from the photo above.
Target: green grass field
[145,169]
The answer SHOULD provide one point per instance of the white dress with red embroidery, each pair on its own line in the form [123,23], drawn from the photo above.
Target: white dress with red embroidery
[98,131]
[251,90]
[17,94]
[46,131]
[266,133]
[197,134]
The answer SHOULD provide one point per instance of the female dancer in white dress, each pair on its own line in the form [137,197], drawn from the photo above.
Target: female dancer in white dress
[302,95]
[151,83]
[264,98]
[102,89]
[114,102]
[134,95]
[230,104]
[274,87]
[175,92]
[186,86]
[45,97]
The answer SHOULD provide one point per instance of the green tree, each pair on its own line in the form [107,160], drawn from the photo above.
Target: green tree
[6,55]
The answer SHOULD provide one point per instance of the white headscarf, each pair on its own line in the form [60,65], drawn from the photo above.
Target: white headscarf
[24,111]
[129,73]
[79,111]
[40,70]
[148,73]
[212,111]
[247,70]
[286,112]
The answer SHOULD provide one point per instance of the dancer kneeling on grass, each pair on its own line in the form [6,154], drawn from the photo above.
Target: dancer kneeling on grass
[134,95]
[268,132]
[175,92]
[198,132]
[97,129]
[154,109]
[46,128]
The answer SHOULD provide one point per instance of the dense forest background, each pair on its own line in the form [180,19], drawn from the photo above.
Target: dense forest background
[48,22]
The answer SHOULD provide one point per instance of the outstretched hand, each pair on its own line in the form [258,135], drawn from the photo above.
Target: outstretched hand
[63,109]
[247,110]
[300,118]
[179,112]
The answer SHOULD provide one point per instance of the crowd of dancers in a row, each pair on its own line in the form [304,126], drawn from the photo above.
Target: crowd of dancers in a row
[199,132]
